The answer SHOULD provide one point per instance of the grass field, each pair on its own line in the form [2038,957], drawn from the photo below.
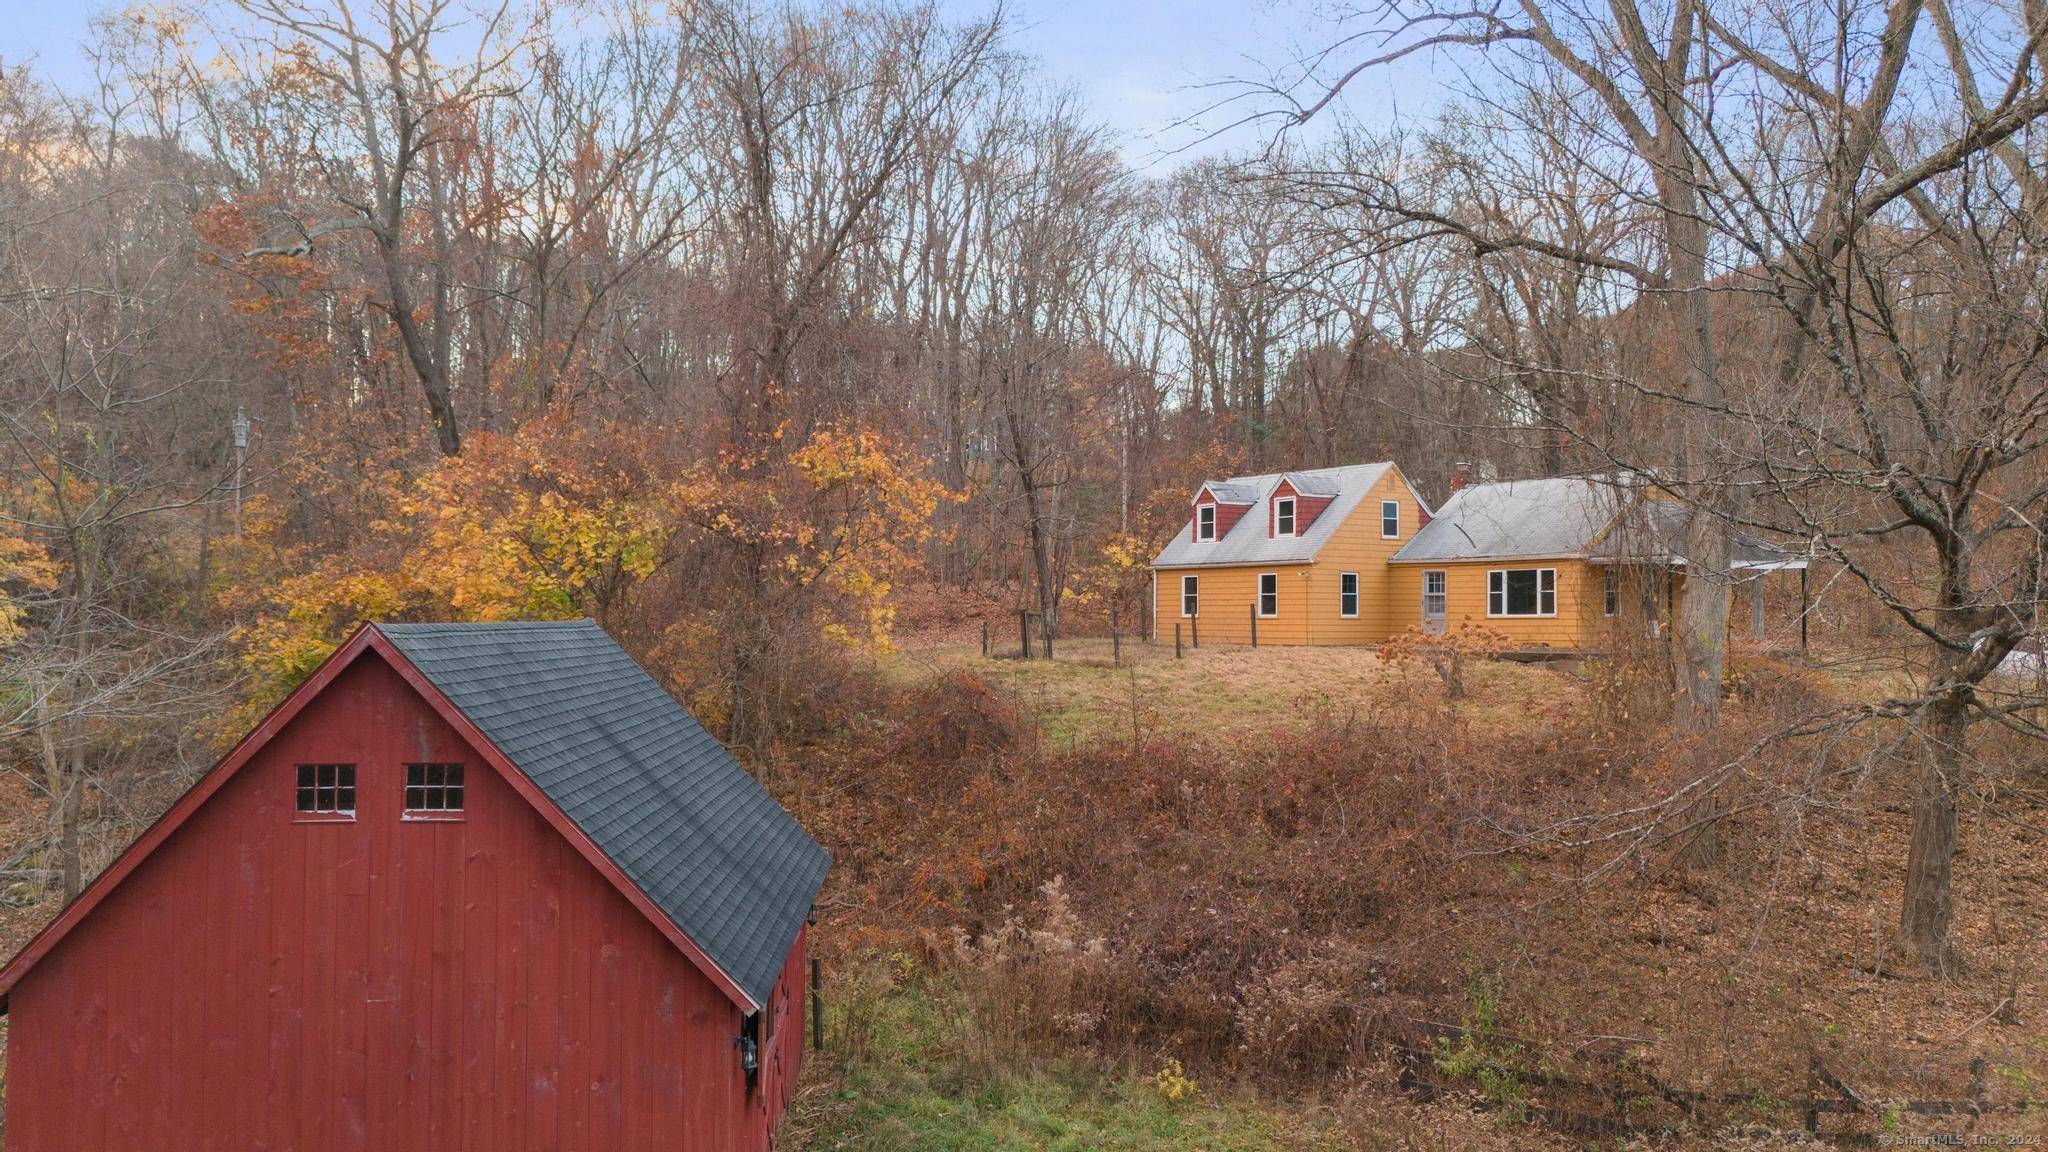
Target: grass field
[909,1087]
[1228,693]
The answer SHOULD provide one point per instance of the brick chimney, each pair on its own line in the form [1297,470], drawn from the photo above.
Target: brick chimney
[1461,475]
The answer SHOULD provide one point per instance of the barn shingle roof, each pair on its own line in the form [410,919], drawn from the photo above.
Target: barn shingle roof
[652,789]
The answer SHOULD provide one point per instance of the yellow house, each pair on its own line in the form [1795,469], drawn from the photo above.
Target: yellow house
[1561,562]
[1354,555]
[1299,556]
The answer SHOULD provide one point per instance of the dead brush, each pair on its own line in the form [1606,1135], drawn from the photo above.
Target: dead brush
[1447,652]
[957,717]
[1296,1016]
[1031,989]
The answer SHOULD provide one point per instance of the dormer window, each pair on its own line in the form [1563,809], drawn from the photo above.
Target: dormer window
[1283,516]
[1205,522]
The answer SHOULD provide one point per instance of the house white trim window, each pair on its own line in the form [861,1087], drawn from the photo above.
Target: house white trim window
[1347,595]
[1269,593]
[1436,598]
[1205,521]
[1190,597]
[1283,516]
[1390,519]
[1521,592]
[1610,591]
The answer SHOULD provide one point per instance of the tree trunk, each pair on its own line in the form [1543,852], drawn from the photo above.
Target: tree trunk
[1041,554]
[1703,616]
[1924,910]
[60,823]
[1703,623]
[433,376]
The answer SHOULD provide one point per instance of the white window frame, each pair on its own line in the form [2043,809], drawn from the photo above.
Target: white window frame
[1205,525]
[1497,593]
[1610,590]
[1390,510]
[1350,578]
[1285,507]
[1275,578]
[1443,593]
[1190,589]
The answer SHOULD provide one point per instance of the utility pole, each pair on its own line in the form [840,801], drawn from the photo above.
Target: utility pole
[241,428]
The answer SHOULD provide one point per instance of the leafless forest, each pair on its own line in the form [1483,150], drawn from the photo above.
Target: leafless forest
[764,335]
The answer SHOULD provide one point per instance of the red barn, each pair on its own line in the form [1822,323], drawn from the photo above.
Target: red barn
[473,886]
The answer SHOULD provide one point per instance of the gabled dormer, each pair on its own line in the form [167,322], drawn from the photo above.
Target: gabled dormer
[1297,501]
[1218,507]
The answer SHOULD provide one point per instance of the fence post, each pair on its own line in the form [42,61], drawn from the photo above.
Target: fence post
[984,639]
[1255,625]
[1176,640]
[1195,631]
[1116,640]
[1024,631]
[818,1004]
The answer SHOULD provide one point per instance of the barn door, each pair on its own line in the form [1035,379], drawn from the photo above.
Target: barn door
[1435,601]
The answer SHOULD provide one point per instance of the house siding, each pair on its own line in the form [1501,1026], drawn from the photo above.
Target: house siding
[1358,547]
[1227,598]
[1578,600]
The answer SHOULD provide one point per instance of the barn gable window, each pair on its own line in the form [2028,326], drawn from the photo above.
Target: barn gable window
[433,790]
[326,791]
[1390,519]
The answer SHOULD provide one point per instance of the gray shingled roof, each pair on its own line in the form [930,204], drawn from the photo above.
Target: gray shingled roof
[1563,516]
[1247,541]
[1514,518]
[650,787]
[1231,492]
[1315,483]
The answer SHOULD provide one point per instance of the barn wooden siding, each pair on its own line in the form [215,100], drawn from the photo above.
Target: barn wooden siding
[262,983]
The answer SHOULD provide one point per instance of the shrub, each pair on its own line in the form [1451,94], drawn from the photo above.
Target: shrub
[1447,651]
[956,717]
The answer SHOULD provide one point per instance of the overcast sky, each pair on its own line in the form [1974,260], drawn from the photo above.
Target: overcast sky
[1141,64]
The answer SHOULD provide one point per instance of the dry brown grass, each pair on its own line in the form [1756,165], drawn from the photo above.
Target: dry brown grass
[1288,849]
[1231,693]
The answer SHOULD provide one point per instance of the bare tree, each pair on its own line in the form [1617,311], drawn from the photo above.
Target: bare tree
[390,114]
[1877,268]
[108,390]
